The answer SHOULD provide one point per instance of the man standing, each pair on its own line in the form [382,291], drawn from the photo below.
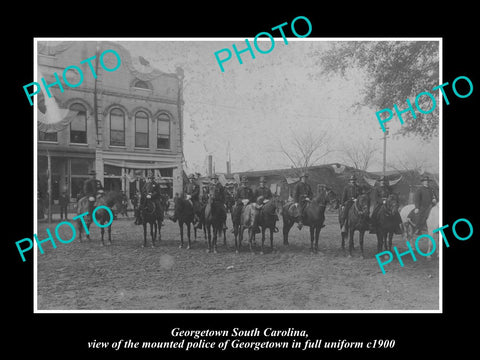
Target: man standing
[63,202]
[350,193]
[302,193]
[424,200]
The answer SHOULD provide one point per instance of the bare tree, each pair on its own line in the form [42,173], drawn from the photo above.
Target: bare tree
[359,154]
[306,149]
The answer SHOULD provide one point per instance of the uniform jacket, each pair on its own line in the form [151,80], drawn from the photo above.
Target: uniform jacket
[423,197]
[382,192]
[301,191]
[153,188]
[350,191]
[244,192]
[262,191]
[218,192]
[193,190]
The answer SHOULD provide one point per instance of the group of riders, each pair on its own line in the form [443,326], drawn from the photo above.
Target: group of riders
[424,197]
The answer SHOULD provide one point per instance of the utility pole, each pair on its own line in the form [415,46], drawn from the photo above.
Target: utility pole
[385,135]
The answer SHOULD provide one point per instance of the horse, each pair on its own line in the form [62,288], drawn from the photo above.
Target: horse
[432,223]
[215,216]
[357,220]
[386,223]
[152,215]
[267,218]
[244,217]
[314,217]
[88,204]
[184,214]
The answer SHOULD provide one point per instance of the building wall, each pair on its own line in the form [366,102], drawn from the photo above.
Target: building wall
[115,90]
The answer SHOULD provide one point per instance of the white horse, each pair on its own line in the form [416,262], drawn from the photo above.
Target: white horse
[432,224]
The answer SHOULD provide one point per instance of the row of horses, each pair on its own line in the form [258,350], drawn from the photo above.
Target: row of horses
[258,218]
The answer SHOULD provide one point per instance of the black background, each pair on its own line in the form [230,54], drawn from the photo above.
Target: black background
[68,334]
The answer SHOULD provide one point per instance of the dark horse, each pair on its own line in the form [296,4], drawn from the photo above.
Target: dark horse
[152,213]
[357,219]
[387,223]
[184,214]
[314,217]
[267,219]
[215,216]
[102,216]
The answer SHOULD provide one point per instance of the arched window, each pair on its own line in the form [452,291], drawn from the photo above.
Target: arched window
[117,127]
[78,126]
[163,132]
[141,129]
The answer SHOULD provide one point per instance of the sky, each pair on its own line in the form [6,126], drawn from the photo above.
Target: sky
[251,108]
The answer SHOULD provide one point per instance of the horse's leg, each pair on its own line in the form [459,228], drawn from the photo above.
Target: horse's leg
[152,235]
[251,236]
[379,240]
[110,234]
[263,238]
[216,230]
[312,238]
[88,232]
[271,231]
[102,232]
[287,225]
[80,230]
[188,235]
[350,242]
[159,227]
[154,238]
[361,236]
[144,234]
[390,237]
[209,237]
[224,237]
[180,225]
[317,237]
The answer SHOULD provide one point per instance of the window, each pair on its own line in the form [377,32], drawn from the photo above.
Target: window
[163,132]
[47,136]
[78,126]
[117,127]
[141,129]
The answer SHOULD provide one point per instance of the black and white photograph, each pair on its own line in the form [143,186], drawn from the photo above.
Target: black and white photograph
[189,182]
[226,183]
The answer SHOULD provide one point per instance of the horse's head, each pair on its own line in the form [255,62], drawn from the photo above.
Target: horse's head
[362,204]
[391,204]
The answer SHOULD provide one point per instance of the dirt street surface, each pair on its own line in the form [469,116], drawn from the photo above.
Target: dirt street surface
[125,276]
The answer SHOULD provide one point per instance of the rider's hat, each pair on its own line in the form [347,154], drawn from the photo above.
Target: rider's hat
[151,175]
[244,179]
[214,176]
[425,178]
[92,172]
[304,174]
[353,177]
[262,178]
[191,176]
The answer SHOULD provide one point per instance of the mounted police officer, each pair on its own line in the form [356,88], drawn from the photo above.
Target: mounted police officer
[244,193]
[217,192]
[382,192]
[302,193]
[424,199]
[192,194]
[92,186]
[351,192]
[262,191]
[152,188]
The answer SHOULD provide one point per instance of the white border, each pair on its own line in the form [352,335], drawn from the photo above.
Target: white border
[440,277]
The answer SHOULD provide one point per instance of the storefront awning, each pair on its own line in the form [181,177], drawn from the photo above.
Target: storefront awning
[140,164]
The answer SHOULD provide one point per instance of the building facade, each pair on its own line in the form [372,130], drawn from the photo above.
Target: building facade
[123,123]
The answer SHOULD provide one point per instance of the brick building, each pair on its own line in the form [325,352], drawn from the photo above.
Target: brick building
[122,124]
